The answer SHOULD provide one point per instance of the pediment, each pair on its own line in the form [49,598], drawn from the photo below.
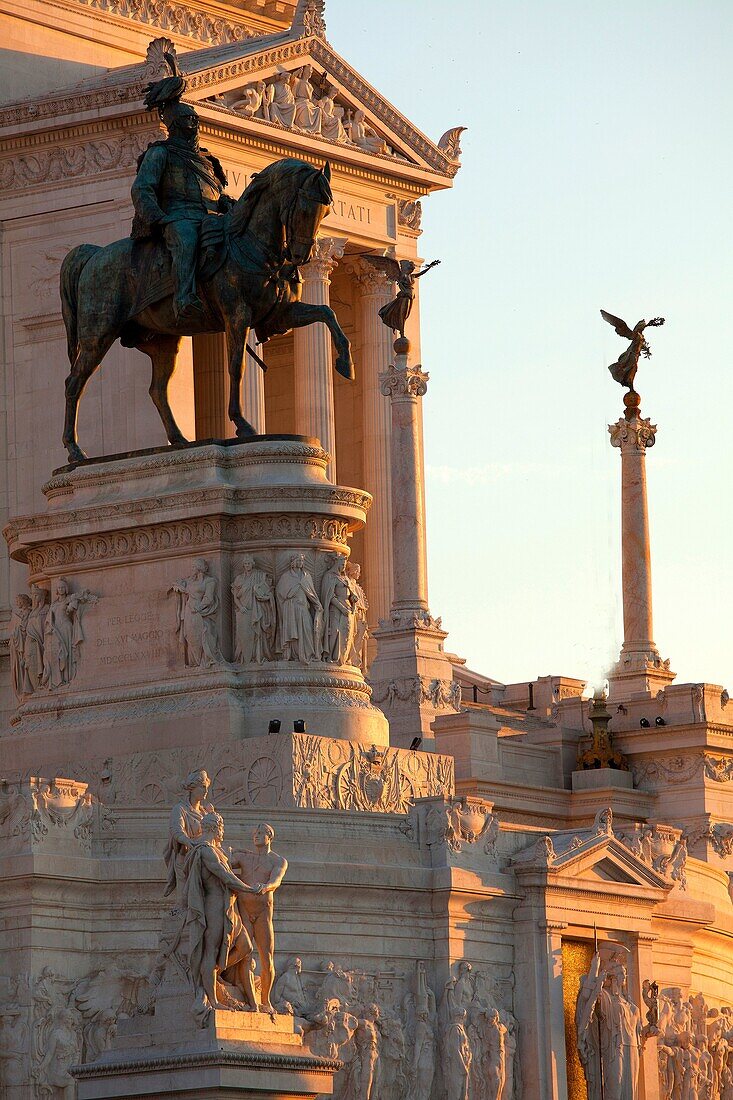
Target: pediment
[272,85]
[307,88]
[586,858]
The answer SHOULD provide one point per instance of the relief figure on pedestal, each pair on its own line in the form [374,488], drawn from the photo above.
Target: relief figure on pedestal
[300,629]
[395,313]
[35,636]
[254,614]
[265,869]
[608,1030]
[63,634]
[338,611]
[360,632]
[457,1057]
[219,944]
[17,646]
[197,605]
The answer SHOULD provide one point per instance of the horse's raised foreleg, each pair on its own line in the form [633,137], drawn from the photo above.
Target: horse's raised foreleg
[237,333]
[92,351]
[163,352]
[299,314]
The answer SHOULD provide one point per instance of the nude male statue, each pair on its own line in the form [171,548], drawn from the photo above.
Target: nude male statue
[265,870]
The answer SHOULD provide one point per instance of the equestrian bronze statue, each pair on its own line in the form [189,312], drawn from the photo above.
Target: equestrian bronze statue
[197,262]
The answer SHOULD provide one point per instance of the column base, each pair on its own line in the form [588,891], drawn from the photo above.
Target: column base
[639,672]
[411,677]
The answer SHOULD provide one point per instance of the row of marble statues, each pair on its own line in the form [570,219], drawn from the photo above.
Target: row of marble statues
[294,101]
[45,638]
[289,620]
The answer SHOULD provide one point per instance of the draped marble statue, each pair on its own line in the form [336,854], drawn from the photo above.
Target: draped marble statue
[608,1028]
[197,606]
[300,614]
[17,646]
[338,611]
[254,614]
[360,627]
[185,829]
[219,945]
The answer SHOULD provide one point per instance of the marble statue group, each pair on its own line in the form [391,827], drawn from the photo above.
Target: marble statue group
[219,918]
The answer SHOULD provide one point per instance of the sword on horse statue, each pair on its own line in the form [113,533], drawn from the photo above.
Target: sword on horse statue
[256,357]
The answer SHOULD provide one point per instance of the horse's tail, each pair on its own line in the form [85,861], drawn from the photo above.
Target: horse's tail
[71,269]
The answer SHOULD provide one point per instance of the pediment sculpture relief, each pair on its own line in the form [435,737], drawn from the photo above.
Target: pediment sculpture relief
[306,101]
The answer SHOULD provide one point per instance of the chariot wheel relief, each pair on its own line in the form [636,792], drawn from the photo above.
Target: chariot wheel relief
[264,782]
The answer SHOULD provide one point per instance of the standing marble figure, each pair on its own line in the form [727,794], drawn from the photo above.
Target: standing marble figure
[197,604]
[265,869]
[299,630]
[218,941]
[608,1031]
[254,613]
[338,611]
[185,830]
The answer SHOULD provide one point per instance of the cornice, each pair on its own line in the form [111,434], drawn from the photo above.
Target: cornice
[189,22]
[130,89]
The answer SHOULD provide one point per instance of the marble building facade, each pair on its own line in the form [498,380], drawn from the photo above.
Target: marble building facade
[459,885]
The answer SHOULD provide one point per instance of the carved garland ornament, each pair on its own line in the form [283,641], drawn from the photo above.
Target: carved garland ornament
[68,162]
[178,18]
[184,535]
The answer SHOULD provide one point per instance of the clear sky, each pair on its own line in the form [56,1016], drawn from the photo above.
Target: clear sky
[597,172]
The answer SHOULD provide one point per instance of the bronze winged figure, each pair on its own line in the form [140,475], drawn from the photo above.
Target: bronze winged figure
[625,367]
[395,313]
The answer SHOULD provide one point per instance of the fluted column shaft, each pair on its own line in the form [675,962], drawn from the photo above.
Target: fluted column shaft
[632,437]
[373,291]
[405,385]
[253,388]
[314,413]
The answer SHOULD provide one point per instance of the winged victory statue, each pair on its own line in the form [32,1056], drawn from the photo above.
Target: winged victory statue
[403,272]
[624,369]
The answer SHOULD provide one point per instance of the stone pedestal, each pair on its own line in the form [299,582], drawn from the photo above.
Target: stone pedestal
[640,669]
[247,1055]
[138,556]
[412,677]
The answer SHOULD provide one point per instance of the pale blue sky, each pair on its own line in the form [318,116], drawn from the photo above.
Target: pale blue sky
[597,172]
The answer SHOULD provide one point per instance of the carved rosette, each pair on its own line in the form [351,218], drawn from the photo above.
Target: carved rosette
[404,382]
[327,251]
[633,435]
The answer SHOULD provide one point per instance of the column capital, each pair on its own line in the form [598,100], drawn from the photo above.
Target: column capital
[327,251]
[633,435]
[404,380]
[371,281]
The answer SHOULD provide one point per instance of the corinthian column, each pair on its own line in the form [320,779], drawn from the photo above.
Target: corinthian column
[375,291]
[404,385]
[411,676]
[312,351]
[640,668]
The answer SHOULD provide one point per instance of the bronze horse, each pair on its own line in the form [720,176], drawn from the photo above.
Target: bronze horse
[250,280]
